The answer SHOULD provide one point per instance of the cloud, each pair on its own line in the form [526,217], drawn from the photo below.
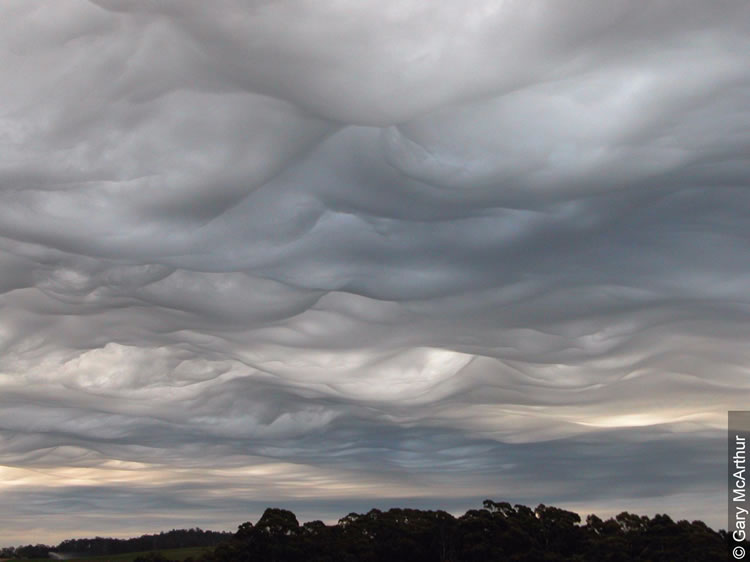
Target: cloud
[390,250]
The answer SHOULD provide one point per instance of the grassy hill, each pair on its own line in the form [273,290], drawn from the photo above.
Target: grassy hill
[177,554]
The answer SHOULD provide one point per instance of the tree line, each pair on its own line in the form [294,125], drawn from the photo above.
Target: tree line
[498,531]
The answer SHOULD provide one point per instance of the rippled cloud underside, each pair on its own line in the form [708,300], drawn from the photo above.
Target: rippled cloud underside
[335,255]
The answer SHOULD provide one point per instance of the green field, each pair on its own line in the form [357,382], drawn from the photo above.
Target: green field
[172,554]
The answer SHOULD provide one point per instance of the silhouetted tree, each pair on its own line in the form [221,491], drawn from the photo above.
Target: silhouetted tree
[497,532]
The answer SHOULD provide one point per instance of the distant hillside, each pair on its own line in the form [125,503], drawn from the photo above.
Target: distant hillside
[99,546]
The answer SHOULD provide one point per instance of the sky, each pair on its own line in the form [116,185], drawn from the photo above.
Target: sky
[331,255]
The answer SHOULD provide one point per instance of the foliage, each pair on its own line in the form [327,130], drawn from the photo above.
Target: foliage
[498,531]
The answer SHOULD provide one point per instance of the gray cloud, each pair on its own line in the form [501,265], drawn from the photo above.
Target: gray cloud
[321,256]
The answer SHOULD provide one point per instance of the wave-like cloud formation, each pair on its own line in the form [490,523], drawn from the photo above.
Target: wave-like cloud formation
[323,255]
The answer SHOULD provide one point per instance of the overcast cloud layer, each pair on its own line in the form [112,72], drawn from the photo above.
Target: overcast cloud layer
[334,255]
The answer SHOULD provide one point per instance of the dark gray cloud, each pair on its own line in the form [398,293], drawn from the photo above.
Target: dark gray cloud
[319,256]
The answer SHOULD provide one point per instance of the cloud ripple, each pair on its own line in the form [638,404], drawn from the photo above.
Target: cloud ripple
[328,256]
